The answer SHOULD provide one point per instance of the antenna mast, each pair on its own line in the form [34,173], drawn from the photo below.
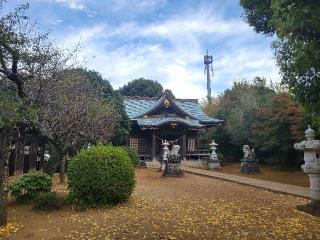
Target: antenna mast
[208,68]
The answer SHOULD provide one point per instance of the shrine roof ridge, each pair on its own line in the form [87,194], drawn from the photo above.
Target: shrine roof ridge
[156,98]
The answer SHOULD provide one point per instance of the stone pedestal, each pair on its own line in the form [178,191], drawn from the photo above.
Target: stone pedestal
[213,162]
[249,163]
[173,170]
[311,149]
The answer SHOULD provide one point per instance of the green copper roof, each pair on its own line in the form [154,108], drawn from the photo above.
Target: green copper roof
[136,107]
[166,120]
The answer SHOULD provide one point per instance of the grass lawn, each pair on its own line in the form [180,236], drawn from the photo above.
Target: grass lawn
[191,207]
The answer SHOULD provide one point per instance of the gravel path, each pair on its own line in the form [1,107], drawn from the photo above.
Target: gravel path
[191,207]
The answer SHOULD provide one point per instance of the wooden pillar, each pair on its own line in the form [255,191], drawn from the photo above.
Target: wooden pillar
[184,146]
[154,145]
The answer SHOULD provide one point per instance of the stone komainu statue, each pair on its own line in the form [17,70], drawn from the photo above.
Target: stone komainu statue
[174,153]
[248,163]
[173,166]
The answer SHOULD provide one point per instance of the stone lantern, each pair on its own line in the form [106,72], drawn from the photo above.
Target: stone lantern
[213,162]
[311,166]
[165,154]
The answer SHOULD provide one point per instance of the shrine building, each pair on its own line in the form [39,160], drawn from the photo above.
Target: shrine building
[163,118]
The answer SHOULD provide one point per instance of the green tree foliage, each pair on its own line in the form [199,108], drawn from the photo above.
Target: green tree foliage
[257,115]
[105,91]
[258,14]
[237,106]
[142,87]
[169,93]
[29,186]
[297,26]
[73,115]
[99,176]
[133,155]
[276,128]
[47,201]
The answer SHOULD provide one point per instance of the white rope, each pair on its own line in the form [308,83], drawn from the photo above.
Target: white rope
[171,142]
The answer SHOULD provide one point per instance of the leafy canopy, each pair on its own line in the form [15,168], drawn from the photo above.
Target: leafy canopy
[142,87]
[106,92]
[297,26]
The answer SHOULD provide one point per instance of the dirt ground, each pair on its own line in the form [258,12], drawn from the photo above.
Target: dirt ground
[267,172]
[191,207]
[298,178]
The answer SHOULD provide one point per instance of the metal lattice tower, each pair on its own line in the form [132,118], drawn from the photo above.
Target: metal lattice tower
[208,69]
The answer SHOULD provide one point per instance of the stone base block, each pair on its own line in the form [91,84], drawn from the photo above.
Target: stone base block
[173,170]
[214,165]
[312,208]
[249,167]
[142,164]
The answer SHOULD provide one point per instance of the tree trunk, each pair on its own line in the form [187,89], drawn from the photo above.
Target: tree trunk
[3,176]
[42,152]
[34,152]
[62,169]
[20,150]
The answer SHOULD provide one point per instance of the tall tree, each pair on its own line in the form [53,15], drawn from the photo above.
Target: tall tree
[9,115]
[106,92]
[237,106]
[276,128]
[297,26]
[142,87]
[72,115]
[28,60]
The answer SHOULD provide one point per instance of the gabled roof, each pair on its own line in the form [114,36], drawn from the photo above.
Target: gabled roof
[138,109]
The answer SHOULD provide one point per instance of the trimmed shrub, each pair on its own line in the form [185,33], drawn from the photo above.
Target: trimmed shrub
[133,155]
[47,201]
[29,186]
[100,176]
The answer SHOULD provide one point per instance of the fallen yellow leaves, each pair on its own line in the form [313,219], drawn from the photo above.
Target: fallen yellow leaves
[9,229]
[188,208]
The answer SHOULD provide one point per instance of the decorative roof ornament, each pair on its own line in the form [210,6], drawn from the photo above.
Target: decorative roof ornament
[166,103]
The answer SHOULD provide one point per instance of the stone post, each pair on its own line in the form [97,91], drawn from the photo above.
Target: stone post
[213,162]
[311,166]
[248,163]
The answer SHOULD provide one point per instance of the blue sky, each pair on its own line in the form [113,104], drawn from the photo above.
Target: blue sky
[164,40]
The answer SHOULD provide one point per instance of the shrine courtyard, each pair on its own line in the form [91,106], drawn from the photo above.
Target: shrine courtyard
[191,207]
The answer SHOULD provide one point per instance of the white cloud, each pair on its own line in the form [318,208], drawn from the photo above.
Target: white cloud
[136,5]
[172,52]
[72,4]
[54,21]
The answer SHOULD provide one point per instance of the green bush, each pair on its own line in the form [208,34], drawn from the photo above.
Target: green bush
[100,176]
[133,155]
[29,186]
[47,201]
